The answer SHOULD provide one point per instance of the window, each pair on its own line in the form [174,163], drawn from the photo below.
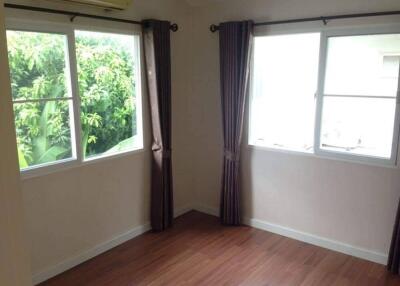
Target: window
[359,98]
[42,97]
[355,114]
[283,91]
[68,111]
[107,76]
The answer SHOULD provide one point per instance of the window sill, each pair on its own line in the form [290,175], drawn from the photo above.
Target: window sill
[354,159]
[73,163]
[280,150]
[106,157]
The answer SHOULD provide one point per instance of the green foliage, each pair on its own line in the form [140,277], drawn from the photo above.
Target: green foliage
[38,71]
[105,73]
[121,146]
[22,161]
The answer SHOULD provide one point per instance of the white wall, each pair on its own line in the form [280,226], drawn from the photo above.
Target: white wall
[347,202]
[14,257]
[70,212]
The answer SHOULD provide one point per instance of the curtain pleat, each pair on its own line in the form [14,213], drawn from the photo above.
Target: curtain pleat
[235,50]
[157,51]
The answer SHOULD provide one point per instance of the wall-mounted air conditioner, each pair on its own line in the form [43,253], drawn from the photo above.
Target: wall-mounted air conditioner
[108,4]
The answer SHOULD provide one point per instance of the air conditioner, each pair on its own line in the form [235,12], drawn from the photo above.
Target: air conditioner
[108,4]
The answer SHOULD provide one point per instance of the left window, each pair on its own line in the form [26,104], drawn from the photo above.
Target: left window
[42,97]
[76,95]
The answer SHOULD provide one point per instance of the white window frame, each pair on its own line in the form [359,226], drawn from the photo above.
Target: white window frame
[68,29]
[392,161]
[281,149]
[317,151]
[138,88]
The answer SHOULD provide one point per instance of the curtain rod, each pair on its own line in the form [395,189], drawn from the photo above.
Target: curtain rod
[174,27]
[324,19]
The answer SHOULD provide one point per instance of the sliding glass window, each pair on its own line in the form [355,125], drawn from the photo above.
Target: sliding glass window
[108,69]
[334,94]
[41,91]
[76,95]
[285,73]
[358,102]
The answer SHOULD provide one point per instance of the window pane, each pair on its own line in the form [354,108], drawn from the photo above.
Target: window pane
[107,71]
[363,65]
[37,65]
[284,84]
[38,68]
[358,125]
[43,132]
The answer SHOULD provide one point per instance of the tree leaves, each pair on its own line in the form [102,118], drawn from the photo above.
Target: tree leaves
[52,154]
[106,83]
[105,75]
[22,161]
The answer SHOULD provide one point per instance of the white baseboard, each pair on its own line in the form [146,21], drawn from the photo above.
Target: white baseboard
[256,223]
[88,254]
[206,209]
[182,211]
[334,245]
[97,250]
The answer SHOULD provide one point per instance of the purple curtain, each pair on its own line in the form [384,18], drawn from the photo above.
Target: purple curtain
[394,253]
[156,38]
[235,49]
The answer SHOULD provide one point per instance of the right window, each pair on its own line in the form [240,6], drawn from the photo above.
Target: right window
[358,103]
[334,94]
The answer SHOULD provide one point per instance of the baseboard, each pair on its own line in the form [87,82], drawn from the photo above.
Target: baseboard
[256,223]
[182,210]
[88,254]
[206,209]
[97,250]
[334,245]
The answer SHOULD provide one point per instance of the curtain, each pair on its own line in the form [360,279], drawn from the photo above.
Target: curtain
[394,253]
[235,49]
[156,38]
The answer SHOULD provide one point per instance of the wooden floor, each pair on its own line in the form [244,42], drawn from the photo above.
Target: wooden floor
[199,251]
